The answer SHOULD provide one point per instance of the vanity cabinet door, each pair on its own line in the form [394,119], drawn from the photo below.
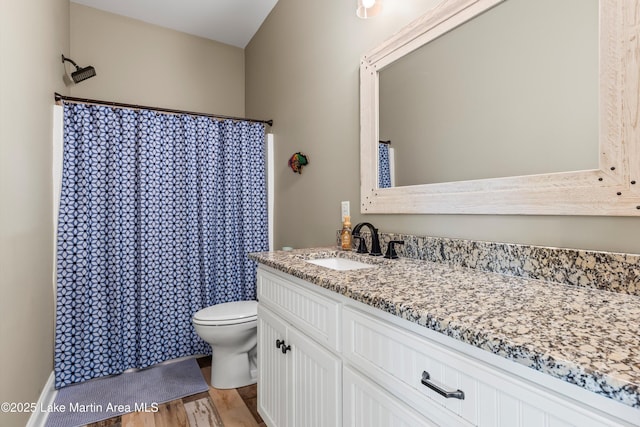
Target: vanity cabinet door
[299,381]
[316,383]
[274,402]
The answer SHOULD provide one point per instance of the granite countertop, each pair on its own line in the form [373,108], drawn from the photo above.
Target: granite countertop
[585,336]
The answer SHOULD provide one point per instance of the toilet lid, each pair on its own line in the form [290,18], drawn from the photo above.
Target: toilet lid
[228,312]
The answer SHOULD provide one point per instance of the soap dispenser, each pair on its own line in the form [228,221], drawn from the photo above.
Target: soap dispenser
[345,234]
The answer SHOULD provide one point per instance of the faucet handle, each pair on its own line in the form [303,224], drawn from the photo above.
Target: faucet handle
[391,250]
[362,245]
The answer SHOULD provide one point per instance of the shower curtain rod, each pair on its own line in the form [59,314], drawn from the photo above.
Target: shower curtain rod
[59,97]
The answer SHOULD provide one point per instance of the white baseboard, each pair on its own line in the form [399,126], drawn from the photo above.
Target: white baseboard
[38,418]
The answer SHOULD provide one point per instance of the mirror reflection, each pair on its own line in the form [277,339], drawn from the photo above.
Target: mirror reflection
[512,92]
[386,168]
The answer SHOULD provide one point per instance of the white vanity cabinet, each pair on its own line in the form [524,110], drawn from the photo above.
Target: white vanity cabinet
[480,394]
[299,379]
[353,365]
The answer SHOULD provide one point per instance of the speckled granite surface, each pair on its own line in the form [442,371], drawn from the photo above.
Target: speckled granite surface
[583,335]
[616,272]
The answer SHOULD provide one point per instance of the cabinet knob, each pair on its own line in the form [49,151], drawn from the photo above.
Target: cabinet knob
[279,343]
[457,394]
[285,348]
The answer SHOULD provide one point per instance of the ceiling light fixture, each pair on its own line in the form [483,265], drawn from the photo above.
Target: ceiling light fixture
[368,8]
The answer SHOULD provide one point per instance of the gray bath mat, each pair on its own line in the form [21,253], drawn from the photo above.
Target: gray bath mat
[104,398]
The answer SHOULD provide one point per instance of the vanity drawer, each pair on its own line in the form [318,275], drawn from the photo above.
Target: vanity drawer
[396,359]
[366,405]
[309,311]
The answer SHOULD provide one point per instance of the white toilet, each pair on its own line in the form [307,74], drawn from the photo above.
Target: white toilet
[231,331]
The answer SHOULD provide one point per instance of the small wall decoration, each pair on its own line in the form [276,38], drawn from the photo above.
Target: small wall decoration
[297,161]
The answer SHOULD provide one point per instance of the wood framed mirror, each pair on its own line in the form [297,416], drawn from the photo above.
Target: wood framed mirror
[608,188]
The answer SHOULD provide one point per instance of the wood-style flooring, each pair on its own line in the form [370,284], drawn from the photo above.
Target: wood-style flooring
[215,408]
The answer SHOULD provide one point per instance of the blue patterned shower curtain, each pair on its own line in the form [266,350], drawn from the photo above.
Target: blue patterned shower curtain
[384,166]
[157,215]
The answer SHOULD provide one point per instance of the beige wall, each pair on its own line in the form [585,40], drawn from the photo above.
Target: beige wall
[302,70]
[140,63]
[33,34]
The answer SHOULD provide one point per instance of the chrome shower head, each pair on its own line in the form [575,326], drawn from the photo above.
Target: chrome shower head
[80,74]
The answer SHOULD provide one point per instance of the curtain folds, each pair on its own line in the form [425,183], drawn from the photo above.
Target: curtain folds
[157,215]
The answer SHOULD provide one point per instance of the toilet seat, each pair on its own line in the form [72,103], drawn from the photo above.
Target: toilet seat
[228,313]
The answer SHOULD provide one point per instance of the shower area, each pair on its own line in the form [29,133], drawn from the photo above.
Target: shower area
[156,212]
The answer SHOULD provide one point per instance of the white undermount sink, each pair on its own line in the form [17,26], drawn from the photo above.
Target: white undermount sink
[340,264]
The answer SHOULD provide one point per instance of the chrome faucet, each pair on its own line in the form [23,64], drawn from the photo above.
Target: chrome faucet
[375,239]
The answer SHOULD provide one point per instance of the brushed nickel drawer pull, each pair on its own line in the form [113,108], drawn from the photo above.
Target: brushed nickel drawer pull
[457,394]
